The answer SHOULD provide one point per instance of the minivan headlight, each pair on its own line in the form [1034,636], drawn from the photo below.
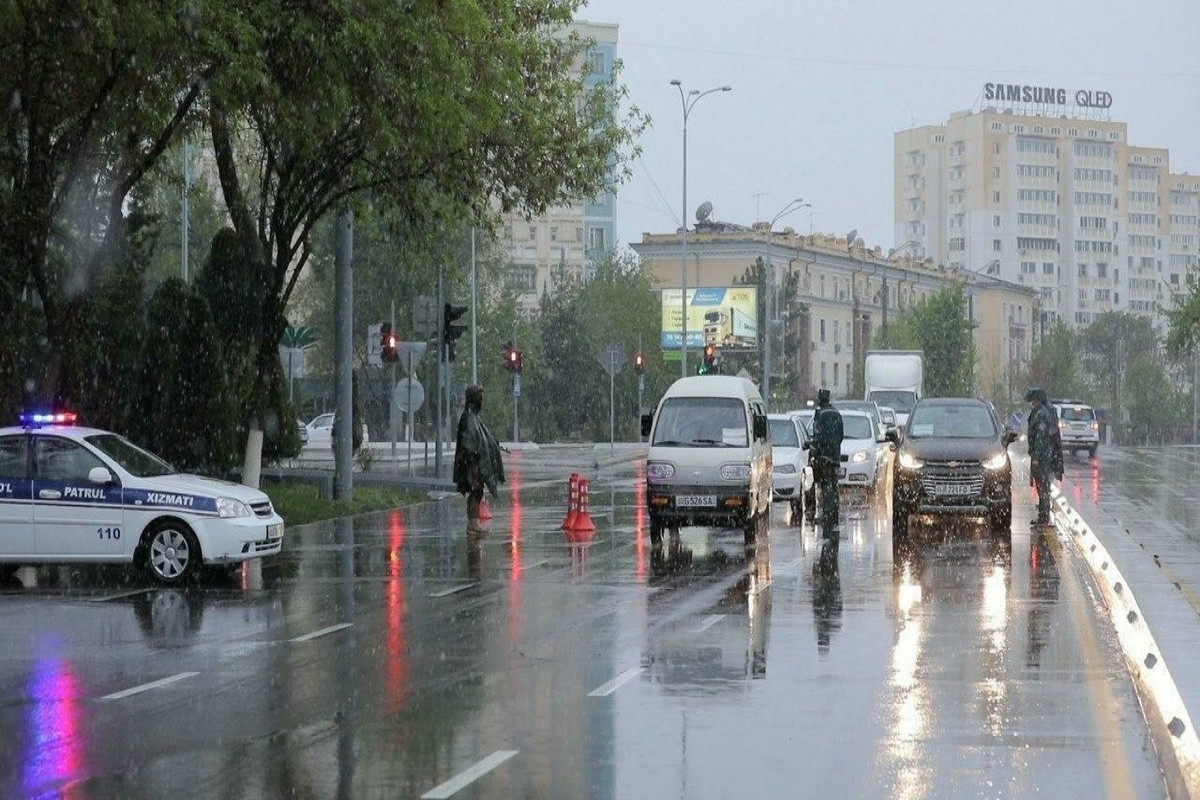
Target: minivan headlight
[859,457]
[909,461]
[735,472]
[998,461]
[659,470]
[789,467]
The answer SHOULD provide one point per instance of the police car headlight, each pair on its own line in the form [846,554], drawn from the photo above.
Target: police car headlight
[231,507]
[788,468]
[859,457]
[735,472]
[909,461]
[998,461]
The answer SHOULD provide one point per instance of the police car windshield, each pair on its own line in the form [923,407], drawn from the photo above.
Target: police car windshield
[133,459]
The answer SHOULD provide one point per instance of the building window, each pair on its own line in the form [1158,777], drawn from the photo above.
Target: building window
[578,234]
[837,338]
[554,233]
[996,245]
[996,221]
[822,334]
[1047,268]
[996,197]
[1083,270]
[824,377]
[532,232]
[1102,270]
[996,148]
[835,374]
[596,62]
[597,241]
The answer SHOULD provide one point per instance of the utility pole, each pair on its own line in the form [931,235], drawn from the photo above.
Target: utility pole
[343,488]
[183,221]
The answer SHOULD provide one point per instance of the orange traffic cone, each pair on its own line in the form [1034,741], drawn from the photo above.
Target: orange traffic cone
[572,501]
[583,520]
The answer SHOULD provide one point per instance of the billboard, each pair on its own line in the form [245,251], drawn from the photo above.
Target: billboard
[726,316]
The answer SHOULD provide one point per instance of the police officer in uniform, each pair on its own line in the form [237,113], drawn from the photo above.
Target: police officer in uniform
[1045,449]
[826,452]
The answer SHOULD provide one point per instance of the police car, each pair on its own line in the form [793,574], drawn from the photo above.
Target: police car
[74,494]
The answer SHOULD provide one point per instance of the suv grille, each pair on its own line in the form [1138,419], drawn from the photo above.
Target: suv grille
[261,509]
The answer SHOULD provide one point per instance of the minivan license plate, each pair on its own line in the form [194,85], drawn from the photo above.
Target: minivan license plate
[696,501]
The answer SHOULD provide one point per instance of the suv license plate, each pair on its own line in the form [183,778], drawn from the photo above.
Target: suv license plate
[696,501]
[275,531]
[955,489]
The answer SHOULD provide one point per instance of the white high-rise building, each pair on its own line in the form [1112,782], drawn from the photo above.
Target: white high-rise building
[1051,195]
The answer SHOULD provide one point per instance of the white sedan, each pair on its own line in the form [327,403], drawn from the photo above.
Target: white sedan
[83,495]
[320,432]
[862,451]
[793,477]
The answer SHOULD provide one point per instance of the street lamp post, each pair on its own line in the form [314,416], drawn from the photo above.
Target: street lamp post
[687,102]
[769,304]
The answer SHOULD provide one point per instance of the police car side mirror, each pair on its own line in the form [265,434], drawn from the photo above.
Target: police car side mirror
[100,475]
[647,422]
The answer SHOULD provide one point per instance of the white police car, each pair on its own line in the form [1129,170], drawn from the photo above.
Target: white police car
[73,494]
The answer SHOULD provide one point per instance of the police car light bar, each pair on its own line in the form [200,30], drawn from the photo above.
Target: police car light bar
[42,418]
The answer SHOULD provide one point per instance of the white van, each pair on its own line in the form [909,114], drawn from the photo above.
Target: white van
[709,461]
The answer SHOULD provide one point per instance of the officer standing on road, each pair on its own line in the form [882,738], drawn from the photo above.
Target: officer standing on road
[1045,450]
[477,460]
[826,455]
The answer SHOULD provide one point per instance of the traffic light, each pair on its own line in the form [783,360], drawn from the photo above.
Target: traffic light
[451,330]
[508,356]
[387,344]
[708,364]
[639,363]
[514,360]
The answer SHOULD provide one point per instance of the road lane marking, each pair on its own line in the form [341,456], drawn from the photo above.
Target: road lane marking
[133,593]
[453,590]
[709,622]
[145,687]
[535,564]
[616,683]
[469,775]
[323,632]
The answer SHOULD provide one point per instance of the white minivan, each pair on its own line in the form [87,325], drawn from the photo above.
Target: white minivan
[709,461]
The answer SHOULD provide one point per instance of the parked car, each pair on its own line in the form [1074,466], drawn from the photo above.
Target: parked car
[952,459]
[302,432]
[867,406]
[789,454]
[320,431]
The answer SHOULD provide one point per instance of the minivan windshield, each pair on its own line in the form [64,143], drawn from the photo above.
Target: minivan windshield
[966,421]
[701,422]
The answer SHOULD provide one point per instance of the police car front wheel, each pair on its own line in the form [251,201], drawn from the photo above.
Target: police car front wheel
[172,552]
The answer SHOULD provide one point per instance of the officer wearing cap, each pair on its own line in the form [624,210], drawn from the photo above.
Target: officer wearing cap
[826,459]
[1045,449]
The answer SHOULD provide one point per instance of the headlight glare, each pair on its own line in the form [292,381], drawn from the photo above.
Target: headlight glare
[909,461]
[859,457]
[998,461]
[232,507]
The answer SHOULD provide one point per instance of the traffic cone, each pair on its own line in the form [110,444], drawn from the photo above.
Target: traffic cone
[583,520]
[484,513]
[572,502]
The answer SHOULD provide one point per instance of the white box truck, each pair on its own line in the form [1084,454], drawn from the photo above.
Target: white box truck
[894,378]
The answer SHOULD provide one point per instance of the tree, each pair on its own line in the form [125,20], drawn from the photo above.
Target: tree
[1054,362]
[939,326]
[1108,346]
[474,103]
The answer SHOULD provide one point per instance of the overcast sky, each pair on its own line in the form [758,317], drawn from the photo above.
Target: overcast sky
[819,88]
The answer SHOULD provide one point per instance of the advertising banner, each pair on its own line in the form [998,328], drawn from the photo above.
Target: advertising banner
[725,316]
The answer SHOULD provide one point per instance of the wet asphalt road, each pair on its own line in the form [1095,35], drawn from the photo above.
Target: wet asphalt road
[394,656]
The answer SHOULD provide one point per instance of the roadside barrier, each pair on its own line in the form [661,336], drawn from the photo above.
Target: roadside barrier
[1170,725]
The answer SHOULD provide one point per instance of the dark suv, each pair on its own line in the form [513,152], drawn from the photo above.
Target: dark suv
[952,458]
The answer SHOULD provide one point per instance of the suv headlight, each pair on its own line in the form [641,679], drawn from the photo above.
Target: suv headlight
[788,468]
[998,461]
[859,457]
[735,472]
[659,470]
[232,507]
[909,461]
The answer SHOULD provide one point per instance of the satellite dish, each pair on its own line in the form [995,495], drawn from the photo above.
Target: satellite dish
[850,237]
[704,211]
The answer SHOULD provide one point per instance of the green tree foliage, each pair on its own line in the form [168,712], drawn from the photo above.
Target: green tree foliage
[1183,318]
[190,417]
[938,326]
[1107,348]
[1054,363]
[1158,409]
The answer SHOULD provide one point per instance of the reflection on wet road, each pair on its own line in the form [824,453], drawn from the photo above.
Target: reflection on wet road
[393,655]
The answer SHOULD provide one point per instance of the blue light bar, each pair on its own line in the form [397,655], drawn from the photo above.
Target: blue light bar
[33,419]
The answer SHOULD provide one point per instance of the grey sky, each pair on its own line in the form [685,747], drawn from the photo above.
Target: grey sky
[819,88]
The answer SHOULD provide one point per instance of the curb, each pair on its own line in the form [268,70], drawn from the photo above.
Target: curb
[1170,725]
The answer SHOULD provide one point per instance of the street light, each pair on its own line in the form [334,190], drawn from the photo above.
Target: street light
[687,102]
[769,303]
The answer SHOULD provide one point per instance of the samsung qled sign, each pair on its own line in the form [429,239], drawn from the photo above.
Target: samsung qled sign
[1045,95]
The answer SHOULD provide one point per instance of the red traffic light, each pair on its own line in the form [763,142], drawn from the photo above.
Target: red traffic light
[639,363]
[387,344]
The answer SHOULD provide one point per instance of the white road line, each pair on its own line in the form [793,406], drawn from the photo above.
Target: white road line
[469,775]
[323,632]
[134,593]
[616,683]
[452,590]
[536,564]
[709,622]
[145,687]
